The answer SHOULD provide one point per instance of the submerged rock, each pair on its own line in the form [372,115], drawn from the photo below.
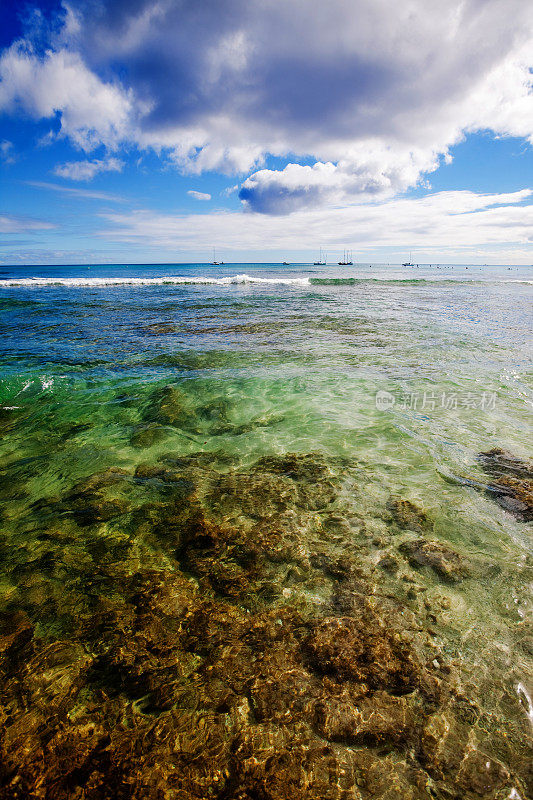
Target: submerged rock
[512,487]
[447,563]
[311,467]
[481,774]
[98,481]
[147,435]
[174,406]
[362,650]
[371,720]
[170,405]
[275,485]
[228,638]
[221,555]
[16,630]
[162,328]
[88,502]
[12,488]
[388,563]
[203,460]
[409,516]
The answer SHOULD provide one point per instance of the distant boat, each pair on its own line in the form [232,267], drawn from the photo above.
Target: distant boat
[346,259]
[214,262]
[409,263]
[321,260]
[285,263]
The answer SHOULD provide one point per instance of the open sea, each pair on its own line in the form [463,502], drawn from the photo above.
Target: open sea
[265,532]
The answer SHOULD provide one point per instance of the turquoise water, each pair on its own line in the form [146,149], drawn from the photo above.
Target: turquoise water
[386,382]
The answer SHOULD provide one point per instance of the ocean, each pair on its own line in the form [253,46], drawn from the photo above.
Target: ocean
[266,531]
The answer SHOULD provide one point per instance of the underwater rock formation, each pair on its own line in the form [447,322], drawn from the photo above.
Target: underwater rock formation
[171,406]
[409,516]
[148,435]
[512,484]
[88,503]
[223,637]
[363,650]
[447,563]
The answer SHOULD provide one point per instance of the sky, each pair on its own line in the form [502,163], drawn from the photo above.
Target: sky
[152,131]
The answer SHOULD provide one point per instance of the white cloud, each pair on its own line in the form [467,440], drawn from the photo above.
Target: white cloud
[86,170]
[371,93]
[16,224]
[92,112]
[374,174]
[84,193]
[6,152]
[460,222]
[53,256]
[199,195]
[229,190]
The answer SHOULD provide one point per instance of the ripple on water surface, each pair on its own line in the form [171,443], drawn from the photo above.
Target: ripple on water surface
[227,571]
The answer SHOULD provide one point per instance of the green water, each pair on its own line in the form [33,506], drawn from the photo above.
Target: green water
[216,384]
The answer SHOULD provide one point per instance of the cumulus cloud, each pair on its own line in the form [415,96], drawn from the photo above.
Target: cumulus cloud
[93,112]
[199,195]
[370,94]
[86,170]
[374,174]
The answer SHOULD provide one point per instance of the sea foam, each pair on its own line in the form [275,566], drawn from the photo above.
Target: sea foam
[183,280]
[161,281]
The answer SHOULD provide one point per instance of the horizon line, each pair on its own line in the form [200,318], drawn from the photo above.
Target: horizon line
[265,263]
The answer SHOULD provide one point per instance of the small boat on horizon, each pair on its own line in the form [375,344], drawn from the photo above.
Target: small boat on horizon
[346,259]
[410,262]
[214,262]
[321,260]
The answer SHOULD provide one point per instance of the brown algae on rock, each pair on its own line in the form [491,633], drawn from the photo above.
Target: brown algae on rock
[445,561]
[408,515]
[512,484]
[223,634]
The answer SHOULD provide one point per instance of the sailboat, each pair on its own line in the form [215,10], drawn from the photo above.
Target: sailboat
[321,260]
[214,262]
[346,258]
[410,262]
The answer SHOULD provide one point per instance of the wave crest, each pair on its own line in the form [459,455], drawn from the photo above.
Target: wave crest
[183,280]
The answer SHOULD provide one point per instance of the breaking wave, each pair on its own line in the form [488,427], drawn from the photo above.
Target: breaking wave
[181,280]
[162,281]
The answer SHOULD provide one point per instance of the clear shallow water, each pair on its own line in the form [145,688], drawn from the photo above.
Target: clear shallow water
[263,361]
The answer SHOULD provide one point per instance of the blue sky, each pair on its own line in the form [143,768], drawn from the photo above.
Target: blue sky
[153,131]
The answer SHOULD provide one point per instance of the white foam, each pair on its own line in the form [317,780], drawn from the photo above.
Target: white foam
[171,279]
[524,695]
[183,280]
